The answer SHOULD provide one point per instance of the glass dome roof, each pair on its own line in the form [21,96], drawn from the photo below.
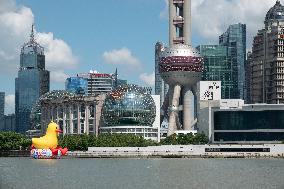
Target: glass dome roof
[129,106]
[275,13]
[56,94]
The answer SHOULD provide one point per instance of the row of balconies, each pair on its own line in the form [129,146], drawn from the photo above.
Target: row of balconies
[179,20]
[178,1]
[178,40]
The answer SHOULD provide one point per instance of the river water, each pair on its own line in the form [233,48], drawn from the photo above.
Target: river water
[26,173]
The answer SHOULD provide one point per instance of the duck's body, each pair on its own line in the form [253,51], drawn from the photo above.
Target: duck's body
[45,142]
[49,141]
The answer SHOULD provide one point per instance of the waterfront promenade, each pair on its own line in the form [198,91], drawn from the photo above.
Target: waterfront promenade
[173,151]
[183,151]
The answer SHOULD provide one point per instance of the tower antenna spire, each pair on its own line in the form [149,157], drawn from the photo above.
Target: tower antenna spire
[32,36]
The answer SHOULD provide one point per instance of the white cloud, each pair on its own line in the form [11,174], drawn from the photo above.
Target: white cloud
[149,79]
[58,53]
[58,76]
[121,56]
[211,18]
[9,104]
[15,24]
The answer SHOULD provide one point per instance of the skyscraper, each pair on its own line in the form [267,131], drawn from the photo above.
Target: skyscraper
[235,40]
[161,88]
[2,108]
[266,76]
[248,78]
[217,67]
[31,83]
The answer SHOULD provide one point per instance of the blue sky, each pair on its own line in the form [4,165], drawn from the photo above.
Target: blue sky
[91,27]
[79,36]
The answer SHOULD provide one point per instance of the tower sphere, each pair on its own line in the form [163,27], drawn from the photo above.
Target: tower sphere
[181,64]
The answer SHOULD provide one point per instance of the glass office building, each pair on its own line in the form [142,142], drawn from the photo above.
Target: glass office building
[217,67]
[161,88]
[2,107]
[249,125]
[31,83]
[77,85]
[253,123]
[235,41]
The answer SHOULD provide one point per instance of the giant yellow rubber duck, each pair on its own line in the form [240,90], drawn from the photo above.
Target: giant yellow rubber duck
[49,141]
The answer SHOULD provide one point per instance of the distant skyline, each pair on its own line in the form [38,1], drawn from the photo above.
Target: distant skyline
[92,35]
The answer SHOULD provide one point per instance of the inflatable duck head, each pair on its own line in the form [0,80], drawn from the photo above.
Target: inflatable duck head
[52,129]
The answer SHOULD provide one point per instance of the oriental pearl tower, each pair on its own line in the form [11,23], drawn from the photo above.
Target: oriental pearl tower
[181,66]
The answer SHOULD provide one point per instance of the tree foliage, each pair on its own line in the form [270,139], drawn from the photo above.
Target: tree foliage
[16,141]
[13,141]
[185,139]
[82,142]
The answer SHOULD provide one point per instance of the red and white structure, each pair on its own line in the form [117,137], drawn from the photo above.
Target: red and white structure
[180,67]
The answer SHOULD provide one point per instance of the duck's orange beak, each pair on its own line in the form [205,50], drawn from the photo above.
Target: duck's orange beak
[58,131]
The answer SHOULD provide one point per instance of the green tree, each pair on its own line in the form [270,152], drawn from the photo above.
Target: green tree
[13,141]
[185,139]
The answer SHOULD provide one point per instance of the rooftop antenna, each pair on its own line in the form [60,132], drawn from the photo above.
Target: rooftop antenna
[32,36]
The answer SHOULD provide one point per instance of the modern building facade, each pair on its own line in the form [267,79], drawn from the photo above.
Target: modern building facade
[2,109]
[248,74]
[77,85]
[93,83]
[235,41]
[232,121]
[75,114]
[31,83]
[130,109]
[161,88]
[266,74]
[217,67]
[98,83]
[10,122]
[181,68]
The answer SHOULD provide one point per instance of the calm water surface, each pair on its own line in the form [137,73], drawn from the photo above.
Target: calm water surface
[25,173]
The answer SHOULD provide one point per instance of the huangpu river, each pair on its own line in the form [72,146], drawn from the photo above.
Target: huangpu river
[26,173]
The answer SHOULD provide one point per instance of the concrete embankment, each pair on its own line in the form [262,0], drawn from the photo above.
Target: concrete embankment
[15,153]
[171,151]
[186,151]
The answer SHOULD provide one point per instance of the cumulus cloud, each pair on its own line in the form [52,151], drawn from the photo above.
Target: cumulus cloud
[58,76]
[58,53]
[149,79]
[212,18]
[9,104]
[15,24]
[121,56]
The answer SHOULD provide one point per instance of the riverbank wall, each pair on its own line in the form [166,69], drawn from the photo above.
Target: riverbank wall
[15,153]
[172,151]
[184,151]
